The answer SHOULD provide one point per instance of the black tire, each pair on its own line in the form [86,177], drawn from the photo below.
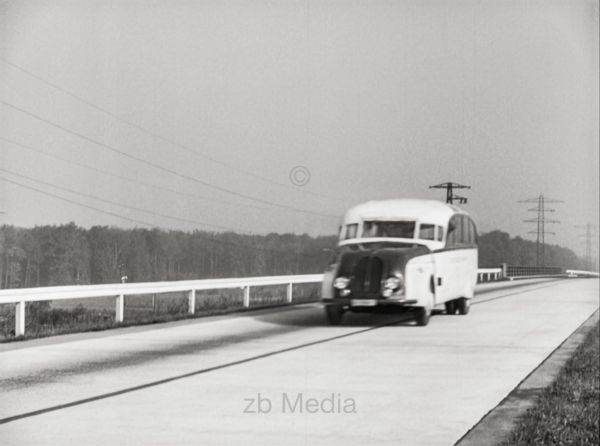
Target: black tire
[463,305]
[334,314]
[451,307]
[422,316]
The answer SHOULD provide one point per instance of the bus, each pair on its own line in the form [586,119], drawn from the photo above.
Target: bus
[402,254]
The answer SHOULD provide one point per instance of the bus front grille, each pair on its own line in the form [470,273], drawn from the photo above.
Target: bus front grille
[367,277]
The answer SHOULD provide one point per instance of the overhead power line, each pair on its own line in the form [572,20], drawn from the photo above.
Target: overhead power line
[136,181]
[161,137]
[145,223]
[114,203]
[161,167]
[93,208]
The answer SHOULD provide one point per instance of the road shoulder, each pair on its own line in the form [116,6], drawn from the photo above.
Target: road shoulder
[496,426]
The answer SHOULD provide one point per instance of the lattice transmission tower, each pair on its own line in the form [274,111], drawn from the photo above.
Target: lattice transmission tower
[450,186]
[591,233]
[540,221]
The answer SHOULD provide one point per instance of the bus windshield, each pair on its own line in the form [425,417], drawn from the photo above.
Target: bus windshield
[399,229]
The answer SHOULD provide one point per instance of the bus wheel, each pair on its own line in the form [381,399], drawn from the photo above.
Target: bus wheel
[463,305]
[422,316]
[334,314]
[451,307]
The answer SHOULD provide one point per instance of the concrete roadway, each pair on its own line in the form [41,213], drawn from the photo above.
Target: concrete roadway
[190,382]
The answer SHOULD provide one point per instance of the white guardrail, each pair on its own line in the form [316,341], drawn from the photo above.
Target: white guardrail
[20,296]
[580,273]
[487,274]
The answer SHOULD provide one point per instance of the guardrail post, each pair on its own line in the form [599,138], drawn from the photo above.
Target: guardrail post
[20,319]
[289,293]
[191,301]
[246,296]
[119,308]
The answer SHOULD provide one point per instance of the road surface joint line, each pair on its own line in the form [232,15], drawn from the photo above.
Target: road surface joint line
[187,375]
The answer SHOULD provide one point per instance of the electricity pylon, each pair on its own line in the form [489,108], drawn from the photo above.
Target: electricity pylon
[590,234]
[541,222]
[450,197]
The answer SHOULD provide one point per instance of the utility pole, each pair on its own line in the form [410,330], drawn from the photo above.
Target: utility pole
[541,222]
[450,197]
[589,235]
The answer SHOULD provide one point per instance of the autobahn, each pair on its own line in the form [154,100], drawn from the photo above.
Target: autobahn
[257,377]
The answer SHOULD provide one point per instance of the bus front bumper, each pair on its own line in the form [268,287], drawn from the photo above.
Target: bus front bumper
[368,302]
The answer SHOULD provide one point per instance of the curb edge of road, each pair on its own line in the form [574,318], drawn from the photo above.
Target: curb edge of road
[496,426]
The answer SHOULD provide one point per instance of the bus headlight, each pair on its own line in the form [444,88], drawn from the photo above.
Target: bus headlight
[341,283]
[393,283]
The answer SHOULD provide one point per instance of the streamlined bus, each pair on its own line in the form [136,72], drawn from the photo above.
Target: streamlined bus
[402,254]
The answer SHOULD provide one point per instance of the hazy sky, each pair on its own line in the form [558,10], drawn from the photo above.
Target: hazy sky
[188,109]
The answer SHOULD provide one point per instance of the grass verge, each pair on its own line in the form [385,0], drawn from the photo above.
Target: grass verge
[568,411]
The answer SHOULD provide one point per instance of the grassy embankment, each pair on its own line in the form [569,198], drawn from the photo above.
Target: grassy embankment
[75,316]
[568,412]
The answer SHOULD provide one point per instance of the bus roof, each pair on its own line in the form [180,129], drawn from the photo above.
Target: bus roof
[428,211]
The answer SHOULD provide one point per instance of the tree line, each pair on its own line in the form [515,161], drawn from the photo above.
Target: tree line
[68,254]
[499,247]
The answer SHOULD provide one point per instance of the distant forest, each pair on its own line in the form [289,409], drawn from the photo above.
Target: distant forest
[68,254]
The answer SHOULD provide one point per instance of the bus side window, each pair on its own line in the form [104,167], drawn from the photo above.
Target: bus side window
[461,232]
[469,230]
[475,238]
[351,231]
[426,231]
[453,228]
[464,230]
[472,233]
